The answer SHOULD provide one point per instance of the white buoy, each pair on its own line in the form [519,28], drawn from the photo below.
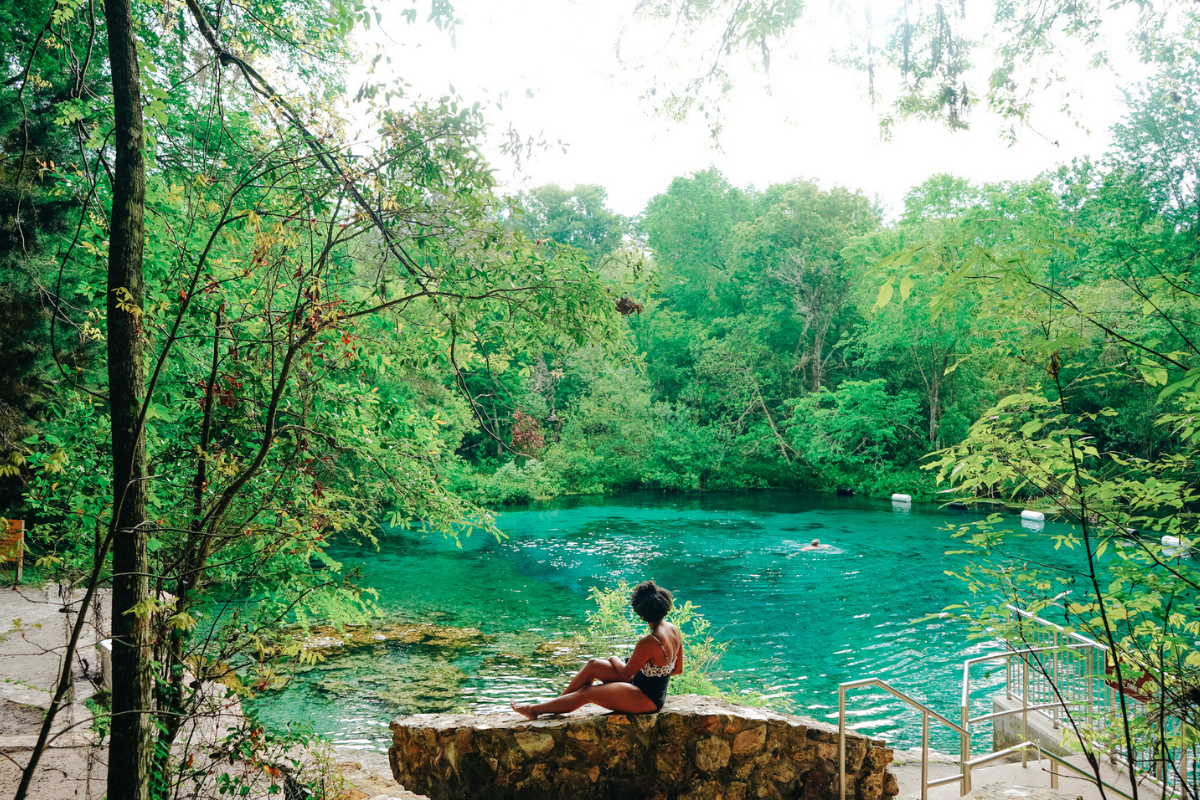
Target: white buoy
[902,498]
[1033,524]
[1173,547]
[1033,516]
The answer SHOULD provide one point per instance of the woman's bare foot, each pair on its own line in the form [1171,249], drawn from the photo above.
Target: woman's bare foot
[522,710]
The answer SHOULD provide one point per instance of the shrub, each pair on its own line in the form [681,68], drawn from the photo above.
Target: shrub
[508,484]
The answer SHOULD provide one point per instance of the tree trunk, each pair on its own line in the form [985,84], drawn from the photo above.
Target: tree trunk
[935,411]
[131,744]
[938,374]
[820,331]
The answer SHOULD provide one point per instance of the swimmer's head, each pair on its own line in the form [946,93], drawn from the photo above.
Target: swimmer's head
[815,543]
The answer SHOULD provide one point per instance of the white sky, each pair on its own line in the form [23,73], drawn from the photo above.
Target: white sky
[815,122]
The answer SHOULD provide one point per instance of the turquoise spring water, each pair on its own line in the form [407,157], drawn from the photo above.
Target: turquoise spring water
[798,622]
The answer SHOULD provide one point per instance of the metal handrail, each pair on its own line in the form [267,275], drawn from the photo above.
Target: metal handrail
[1012,712]
[926,713]
[1022,748]
[1008,655]
[858,684]
[1079,637]
[1098,686]
[965,704]
[1080,643]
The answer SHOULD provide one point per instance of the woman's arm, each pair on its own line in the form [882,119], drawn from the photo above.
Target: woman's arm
[678,669]
[639,657]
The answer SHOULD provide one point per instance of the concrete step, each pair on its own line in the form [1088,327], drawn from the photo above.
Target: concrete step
[1005,791]
[1012,780]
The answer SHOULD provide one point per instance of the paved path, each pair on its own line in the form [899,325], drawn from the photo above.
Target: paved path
[35,625]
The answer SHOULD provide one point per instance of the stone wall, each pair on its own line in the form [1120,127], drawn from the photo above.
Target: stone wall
[697,748]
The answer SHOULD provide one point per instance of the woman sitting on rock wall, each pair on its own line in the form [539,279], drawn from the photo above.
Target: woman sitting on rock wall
[636,686]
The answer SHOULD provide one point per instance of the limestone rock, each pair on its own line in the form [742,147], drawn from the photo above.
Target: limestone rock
[750,741]
[535,744]
[696,747]
[712,753]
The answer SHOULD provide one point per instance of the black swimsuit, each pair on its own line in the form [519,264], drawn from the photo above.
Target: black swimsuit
[653,680]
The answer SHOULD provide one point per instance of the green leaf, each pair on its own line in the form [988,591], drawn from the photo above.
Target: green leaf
[156,411]
[906,287]
[955,365]
[885,295]
[1155,376]
[1188,381]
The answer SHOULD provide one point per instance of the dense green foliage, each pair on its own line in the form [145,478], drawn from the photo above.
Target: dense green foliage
[758,354]
[791,337]
[338,334]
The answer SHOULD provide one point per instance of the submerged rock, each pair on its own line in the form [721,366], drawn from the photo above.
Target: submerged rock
[326,639]
[696,747]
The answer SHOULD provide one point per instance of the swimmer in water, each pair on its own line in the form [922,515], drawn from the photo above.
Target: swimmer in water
[816,545]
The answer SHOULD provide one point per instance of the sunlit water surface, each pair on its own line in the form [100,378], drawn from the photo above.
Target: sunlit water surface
[798,622]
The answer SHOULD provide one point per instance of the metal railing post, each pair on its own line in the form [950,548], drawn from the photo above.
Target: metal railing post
[1053,774]
[1008,664]
[842,741]
[924,755]
[1088,677]
[1054,671]
[927,714]
[965,750]
[1024,707]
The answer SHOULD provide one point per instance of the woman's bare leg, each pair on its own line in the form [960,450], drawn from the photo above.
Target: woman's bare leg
[616,696]
[598,669]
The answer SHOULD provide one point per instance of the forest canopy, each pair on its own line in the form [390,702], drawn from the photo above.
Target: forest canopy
[235,334]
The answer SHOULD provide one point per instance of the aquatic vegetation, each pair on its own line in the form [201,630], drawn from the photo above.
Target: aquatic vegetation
[327,639]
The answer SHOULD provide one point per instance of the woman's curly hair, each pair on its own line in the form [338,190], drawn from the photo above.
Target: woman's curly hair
[650,601]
